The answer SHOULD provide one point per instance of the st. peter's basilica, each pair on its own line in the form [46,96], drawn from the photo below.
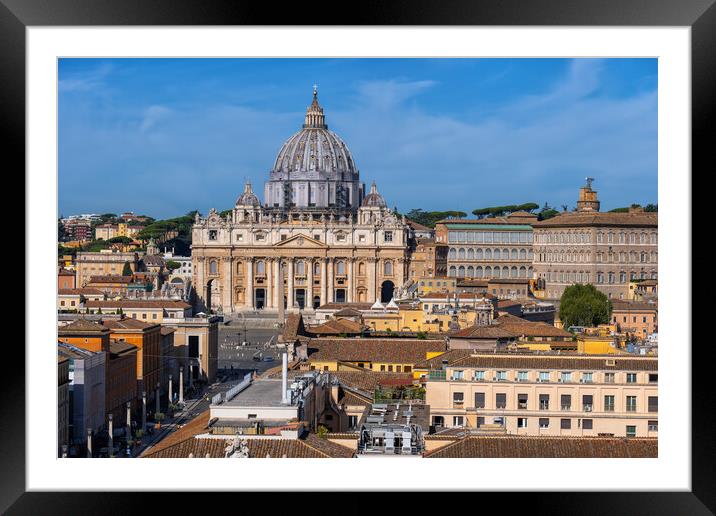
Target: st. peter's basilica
[317,238]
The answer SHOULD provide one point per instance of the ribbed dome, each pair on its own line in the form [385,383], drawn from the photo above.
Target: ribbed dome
[248,198]
[374,199]
[314,150]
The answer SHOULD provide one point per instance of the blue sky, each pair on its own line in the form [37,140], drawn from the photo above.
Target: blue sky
[165,136]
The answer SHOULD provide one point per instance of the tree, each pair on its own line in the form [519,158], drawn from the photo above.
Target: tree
[127,270]
[584,305]
[322,431]
[171,265]
[120,240]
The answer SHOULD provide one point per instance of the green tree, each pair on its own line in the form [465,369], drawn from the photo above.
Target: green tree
[120,240]
[172,265]
[127,270]
[584,305]
[322,431]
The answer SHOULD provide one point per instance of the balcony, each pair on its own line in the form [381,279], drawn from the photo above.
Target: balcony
[566,407]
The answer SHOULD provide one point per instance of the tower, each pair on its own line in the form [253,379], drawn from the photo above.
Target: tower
[588,198]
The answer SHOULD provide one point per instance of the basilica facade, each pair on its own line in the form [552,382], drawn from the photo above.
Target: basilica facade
[317,238]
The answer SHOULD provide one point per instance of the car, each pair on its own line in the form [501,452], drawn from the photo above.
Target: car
[268,359]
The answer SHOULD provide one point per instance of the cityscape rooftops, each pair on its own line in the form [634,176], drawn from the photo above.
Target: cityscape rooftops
[138,303]
[594,218]
[407,351]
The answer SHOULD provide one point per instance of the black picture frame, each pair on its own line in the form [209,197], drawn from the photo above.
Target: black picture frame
[700,15]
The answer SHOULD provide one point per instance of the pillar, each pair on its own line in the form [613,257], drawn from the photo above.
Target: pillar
[330,282]
[324,282]
[181,384]
[309,286]
[129,419]
[111,437]
[228,286]
[191,375]
[269,283]
[89,443]
[156,398]
[371,280]
[171,393]
[277,287]
[291,294]
[349,286]
[249,283]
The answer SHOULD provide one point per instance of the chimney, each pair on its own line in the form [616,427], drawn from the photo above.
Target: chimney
[284,378]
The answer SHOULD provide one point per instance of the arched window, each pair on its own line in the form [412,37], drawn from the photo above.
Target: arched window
[470,254]
[488,254]
[479,272]
[470,271]
[388,268]
[361,269]
[513,272]
[523,272]
[453,271]
[496,272]
[341,268]
[452,254]
[478,254]
[513,254]
[260,267]
[622,277]
[497,254]
[213,267]
[488,272]
[239,268]
[523,254]
[317,268]
[300,268]
[461,271]
[461,254]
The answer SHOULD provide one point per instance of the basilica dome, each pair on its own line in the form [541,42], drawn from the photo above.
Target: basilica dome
[314,152]
[374,199]
[248,197]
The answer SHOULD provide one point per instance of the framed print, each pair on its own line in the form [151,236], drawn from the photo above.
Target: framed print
[424,232]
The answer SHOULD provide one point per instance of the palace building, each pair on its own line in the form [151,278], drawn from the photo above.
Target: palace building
[317,238]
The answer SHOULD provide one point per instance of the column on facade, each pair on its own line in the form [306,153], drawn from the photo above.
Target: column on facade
[291,293]
[200,283]
[309,281]
[228,286]
[277,286]
[330,282]
[324,282]
[371,280]
[400,273]
[249,298]
[351,282]
[268,297]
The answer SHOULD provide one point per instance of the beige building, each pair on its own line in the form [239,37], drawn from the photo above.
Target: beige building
[146,310]
[428,260]
[196,346]
[607,250]
[496,247]
[102,263]
[317,238]
[544,394]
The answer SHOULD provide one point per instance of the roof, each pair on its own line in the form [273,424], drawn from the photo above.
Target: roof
[83,326]
[339,306]
[138,303]
[120,347]
[167,330]
[538,446]
[518,217]
[544,361]
[400,351]
[79,292]
[510,326]
[347,312]
[353,400]
[619,305]
[111,278]
[65,272]
[472,282]
[338,326]
[154,260]
[128,323]
[364,381]
[293,328]
[185,441]
[463,297]
[417,226]
[574,218]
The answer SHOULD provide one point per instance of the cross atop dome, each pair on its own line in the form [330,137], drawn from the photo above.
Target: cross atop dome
[314,114]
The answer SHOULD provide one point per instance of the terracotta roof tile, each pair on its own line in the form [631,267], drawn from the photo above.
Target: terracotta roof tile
[571,219]
[139,303]
[401,351]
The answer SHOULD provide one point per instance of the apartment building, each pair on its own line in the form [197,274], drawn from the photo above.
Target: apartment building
[544,394]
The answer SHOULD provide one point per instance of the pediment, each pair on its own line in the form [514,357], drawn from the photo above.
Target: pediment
[301,242]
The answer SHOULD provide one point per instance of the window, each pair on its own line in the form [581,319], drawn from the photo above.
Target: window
[653,403]
[500,400]
[388,236]
[458,399]
[544,401]
[458,375]
[566,377]
[608,377]
[212,234]
[565,401]
[653,426]
[352,421]
[479,400]
[631,403]
[501,376]
[609,403]
[521,376]
[521,422]
[388,268]
[479,375]
[586,377]
[587,424]
[631,377]
[653,378]
[544,422]
[457,421]
[213,267]
[587,402]
[565,424]
[631,430]
[522,401]
[544,376]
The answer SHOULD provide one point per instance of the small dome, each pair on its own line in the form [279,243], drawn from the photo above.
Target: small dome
[248,198]
[374,199]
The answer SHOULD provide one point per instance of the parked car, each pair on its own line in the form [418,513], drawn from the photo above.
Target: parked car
[268,359]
